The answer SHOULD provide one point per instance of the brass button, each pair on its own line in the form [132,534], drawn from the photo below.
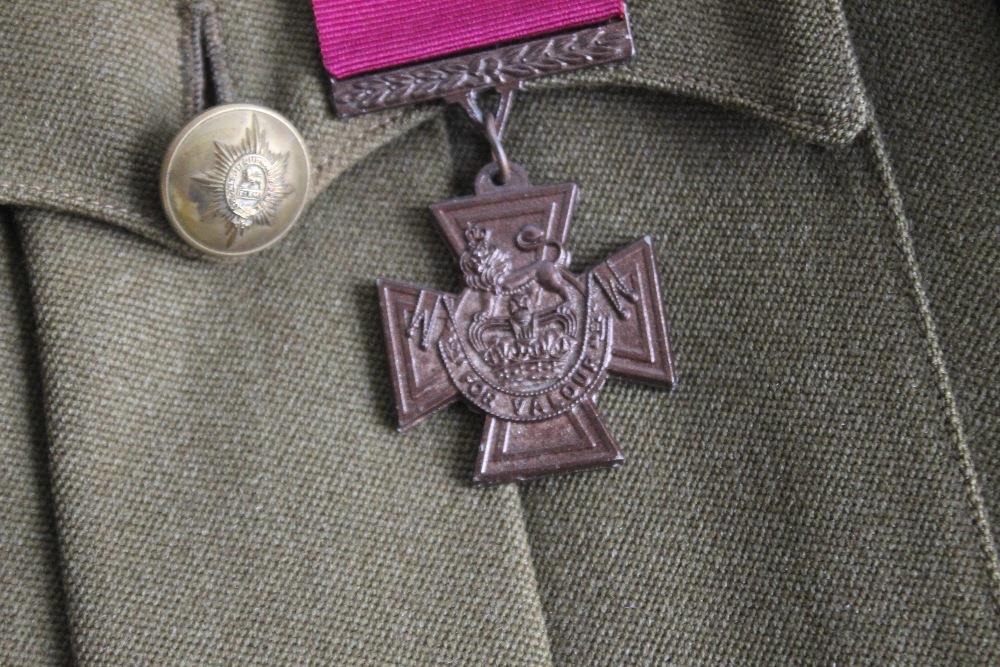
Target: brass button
[235,180]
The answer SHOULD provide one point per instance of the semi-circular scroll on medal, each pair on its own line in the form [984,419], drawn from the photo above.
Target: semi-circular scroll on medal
[235,180]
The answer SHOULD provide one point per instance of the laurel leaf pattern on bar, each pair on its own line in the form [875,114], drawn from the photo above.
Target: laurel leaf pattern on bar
[496,67]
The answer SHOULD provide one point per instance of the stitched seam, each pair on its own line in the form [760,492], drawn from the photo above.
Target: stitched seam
[846,129]
[839,132]
[14,188]
[322,181]
[973,491]
[323,162]
[894,198]
[842,129]
[121,218]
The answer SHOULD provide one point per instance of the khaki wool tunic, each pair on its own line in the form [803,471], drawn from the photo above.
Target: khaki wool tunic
[198,461]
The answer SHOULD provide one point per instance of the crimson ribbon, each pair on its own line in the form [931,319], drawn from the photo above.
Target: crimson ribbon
[361,36]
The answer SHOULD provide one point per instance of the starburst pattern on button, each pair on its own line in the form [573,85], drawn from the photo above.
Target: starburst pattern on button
[246,183]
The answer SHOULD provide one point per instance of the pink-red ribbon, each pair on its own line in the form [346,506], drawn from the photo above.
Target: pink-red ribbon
[360,36]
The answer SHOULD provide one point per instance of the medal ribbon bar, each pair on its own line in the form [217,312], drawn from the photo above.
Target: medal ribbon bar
[388,53]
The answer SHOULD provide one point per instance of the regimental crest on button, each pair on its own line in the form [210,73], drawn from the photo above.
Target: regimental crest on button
[528,342]
[235,180]
[247,181]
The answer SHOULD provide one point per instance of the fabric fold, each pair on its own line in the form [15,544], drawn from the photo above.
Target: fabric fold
[32,607]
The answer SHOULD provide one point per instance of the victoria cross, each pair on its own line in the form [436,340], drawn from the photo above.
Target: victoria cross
[528,342]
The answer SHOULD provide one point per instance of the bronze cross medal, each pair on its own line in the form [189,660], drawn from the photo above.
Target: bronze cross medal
[528,342]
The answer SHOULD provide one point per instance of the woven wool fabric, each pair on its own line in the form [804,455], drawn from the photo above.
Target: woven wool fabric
[202,466]
[32,610]
[286,540]
[943,133]
[819,456]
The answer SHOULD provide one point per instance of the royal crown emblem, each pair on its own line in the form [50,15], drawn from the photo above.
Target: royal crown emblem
[527,333]
[528,342]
